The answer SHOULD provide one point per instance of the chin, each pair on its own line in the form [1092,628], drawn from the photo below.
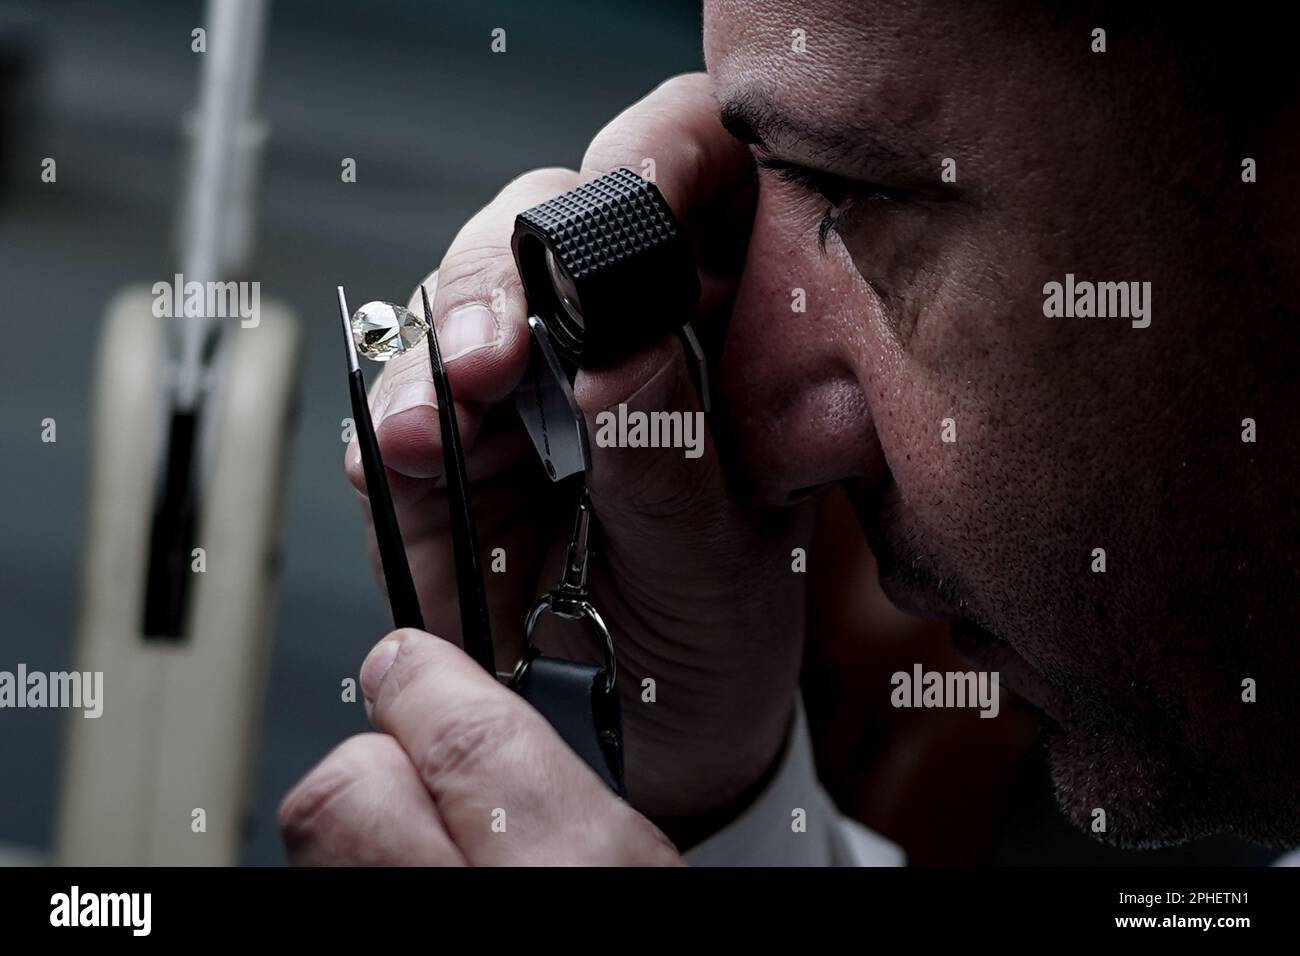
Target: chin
[1149,800]
[1156,794]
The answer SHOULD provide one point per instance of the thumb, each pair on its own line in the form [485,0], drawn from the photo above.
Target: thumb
[505,786]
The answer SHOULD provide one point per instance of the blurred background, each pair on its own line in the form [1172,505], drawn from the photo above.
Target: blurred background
[437,124]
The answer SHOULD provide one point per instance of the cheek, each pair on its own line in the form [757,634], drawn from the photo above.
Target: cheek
[794,372]
[953,352]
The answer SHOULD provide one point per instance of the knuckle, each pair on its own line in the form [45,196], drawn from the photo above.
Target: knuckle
[535,181]
[622,141]
[643,130]
[691,83]
[480,259]
[465,744]
[691,159]
[305,813]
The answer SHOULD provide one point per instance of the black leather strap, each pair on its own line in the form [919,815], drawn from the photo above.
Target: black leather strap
[572,697]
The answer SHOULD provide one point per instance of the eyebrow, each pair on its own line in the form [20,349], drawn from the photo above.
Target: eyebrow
[880,147]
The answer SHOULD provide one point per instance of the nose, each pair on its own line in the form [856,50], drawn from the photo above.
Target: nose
[795,382]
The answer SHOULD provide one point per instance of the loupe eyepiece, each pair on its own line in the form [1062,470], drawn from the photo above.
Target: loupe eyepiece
[607,271]
[606,267]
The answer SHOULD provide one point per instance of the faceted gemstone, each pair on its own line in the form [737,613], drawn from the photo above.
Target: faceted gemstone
[382,330]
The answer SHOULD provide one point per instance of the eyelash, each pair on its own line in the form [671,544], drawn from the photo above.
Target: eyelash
[839,193]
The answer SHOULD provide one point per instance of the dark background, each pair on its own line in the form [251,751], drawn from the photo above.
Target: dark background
[437,124]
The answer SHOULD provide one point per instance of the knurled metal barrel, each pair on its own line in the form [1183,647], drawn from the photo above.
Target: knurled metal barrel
[606,267]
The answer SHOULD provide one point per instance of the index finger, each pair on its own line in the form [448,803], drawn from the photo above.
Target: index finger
[675,138]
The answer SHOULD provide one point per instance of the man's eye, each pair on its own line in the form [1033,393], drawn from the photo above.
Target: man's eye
[840,193]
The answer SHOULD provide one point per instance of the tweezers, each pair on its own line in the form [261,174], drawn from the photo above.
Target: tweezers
[475,630]
[402,599]
[476,633]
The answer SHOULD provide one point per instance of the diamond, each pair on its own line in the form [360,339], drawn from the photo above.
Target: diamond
[383,330]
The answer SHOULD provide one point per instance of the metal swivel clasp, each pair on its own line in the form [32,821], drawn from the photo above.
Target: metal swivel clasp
[570,599]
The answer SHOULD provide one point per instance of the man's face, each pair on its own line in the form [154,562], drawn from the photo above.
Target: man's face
[994,452]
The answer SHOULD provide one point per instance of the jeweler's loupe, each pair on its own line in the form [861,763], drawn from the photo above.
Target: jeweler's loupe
[607,271]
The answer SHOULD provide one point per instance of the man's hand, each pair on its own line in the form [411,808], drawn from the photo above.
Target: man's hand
[462,773]
[697,588]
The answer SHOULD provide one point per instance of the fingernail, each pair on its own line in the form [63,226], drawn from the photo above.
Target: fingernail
[403,397]
[468,329]
[377,665]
